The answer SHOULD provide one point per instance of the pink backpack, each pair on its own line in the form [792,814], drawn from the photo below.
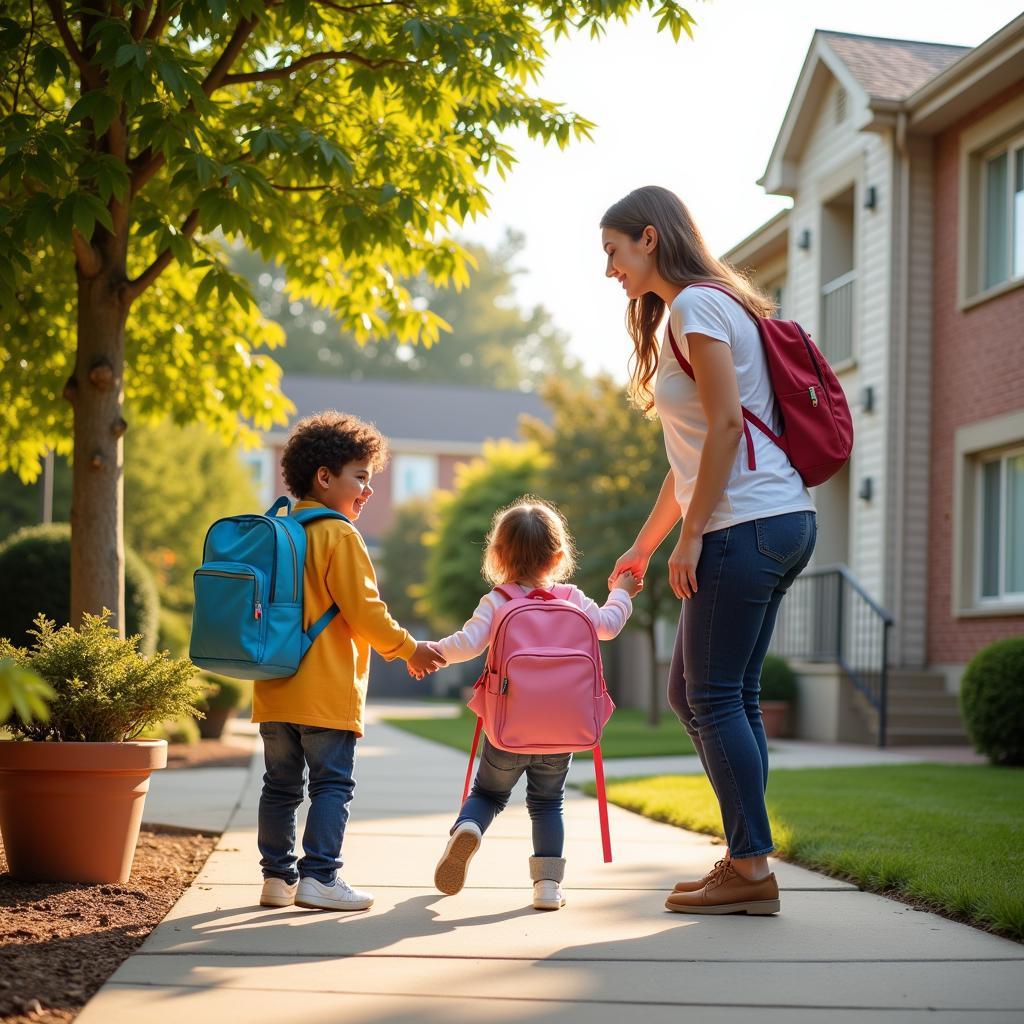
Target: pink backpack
[817,428]
[542,690]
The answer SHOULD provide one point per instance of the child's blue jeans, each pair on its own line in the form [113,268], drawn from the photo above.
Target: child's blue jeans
[291,753]
[498,773]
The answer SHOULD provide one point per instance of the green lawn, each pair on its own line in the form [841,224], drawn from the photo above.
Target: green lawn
[627,734]
[949,836]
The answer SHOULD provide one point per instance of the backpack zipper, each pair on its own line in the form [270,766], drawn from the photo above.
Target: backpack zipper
[257,607]
[814,397]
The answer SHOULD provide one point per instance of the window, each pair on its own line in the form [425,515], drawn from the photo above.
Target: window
[1000,519]
[988,517]
[414,476]
[999,214]
[259,463]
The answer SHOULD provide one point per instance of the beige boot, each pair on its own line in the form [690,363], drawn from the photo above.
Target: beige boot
[547,874]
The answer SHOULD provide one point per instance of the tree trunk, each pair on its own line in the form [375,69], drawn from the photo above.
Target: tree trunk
[654,708]
[96,391]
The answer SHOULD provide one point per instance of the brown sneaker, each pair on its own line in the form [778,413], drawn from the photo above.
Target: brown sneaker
[728,893]
[699,883]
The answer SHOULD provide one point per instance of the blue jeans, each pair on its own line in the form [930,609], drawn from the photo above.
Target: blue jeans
[291,752]
[714,680]
[498,773]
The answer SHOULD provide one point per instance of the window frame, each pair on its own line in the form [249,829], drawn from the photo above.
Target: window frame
[1002,597]
[974,446]
[999,132]
[399,494]
[1011,147]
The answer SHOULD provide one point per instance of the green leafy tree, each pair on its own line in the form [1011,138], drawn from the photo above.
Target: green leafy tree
[403,558]
[140,138]
[606,466]
[454,581]
[493,342]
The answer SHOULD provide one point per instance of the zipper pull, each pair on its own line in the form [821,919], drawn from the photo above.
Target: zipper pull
[258,611]
[814,397]
[504,685]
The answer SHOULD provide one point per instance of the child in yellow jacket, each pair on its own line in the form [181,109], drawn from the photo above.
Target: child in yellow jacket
[311,720]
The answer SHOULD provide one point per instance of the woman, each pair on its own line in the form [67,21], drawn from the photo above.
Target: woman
[746,532]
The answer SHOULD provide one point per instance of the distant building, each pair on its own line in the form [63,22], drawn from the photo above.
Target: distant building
[431,428]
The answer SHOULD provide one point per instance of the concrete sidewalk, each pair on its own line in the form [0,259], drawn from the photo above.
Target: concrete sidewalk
[485,954]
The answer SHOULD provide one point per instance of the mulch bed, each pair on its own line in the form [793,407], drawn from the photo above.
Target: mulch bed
[59,941]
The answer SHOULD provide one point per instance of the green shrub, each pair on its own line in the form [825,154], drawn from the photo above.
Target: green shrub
[778,680]
[224,692]
[175,631]
[992,701]
[39,558]
[105,691]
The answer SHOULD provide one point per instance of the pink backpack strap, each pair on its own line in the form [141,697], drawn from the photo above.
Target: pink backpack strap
[508,591]
[472,758]
[602,805]
[563,591]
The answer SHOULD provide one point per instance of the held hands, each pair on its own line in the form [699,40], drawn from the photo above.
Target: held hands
[631,584]
[426,659]
[634,561]
[682,565]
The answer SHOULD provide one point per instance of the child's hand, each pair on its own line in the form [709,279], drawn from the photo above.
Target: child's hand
[627,582]
[426,659]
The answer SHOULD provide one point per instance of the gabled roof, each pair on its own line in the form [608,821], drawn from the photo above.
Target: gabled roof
[878,74]
[436,414]
[891,69]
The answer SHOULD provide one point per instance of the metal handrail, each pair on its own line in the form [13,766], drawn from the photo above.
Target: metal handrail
[829,616]
[837,282]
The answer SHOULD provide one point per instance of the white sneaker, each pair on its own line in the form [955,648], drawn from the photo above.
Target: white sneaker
[548,895]
[450,873]
[277,893]
[340,895]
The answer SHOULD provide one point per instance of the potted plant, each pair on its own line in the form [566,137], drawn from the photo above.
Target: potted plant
[778,694]
[72,786]
[223,697]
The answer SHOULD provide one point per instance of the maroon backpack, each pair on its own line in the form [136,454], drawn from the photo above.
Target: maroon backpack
[817,428]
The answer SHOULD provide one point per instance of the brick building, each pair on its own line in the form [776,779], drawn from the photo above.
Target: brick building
[903,254]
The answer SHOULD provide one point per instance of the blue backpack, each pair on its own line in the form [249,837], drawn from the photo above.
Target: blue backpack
[247,621]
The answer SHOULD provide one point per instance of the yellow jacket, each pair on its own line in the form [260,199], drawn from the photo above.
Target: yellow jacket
[329,688]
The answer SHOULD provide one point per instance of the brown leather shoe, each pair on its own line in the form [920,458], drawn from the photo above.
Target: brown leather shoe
[728,893]
[699,883]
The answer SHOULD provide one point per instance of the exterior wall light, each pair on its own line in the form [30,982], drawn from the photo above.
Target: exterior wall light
[867,398]
[804,241]
[870,197]
[866,489]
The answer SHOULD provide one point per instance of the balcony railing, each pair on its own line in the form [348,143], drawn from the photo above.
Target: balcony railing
[828,616]
[837,317]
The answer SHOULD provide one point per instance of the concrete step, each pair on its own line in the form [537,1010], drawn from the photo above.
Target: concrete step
[906,736]
[912,699]
[924,719]
[931,682]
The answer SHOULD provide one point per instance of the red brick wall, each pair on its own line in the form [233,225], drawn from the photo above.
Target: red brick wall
[977,373]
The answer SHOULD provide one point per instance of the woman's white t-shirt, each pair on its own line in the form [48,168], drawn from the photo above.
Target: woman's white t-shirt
[774,487]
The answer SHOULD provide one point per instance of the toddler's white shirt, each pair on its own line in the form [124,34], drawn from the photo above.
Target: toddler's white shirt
[475,635]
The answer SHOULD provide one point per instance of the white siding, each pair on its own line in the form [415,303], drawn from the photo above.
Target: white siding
[835,157]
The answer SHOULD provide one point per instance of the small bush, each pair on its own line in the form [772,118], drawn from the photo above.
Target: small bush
[992,701]
[778,680]
[39,558]
[105,691]
[224,692]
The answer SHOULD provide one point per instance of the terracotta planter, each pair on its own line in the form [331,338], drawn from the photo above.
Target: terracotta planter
[212,726]
[70,812]
[775,716]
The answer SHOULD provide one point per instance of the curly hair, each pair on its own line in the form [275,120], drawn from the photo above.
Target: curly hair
[329,439]
[529,539]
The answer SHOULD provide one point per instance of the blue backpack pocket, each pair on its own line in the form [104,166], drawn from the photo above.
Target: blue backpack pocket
[229,624]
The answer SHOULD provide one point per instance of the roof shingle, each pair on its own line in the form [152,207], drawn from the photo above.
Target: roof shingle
[412,410]
[892,69]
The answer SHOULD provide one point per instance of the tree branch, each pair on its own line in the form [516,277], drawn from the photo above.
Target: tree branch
[89,261]
[161,17]
[313,58]
[90,75]
[140,15]
[147,163]
[135,287]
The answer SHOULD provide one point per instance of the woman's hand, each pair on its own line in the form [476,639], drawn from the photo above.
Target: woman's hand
[634,561]
[682,565]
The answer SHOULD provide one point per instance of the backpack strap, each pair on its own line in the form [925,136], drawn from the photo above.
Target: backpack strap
[748,416]
[602,805]
[472,758]
[281,503]
[305,516]
[507,592]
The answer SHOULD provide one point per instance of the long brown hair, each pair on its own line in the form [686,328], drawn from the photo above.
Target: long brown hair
[529,539]
[683,258]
